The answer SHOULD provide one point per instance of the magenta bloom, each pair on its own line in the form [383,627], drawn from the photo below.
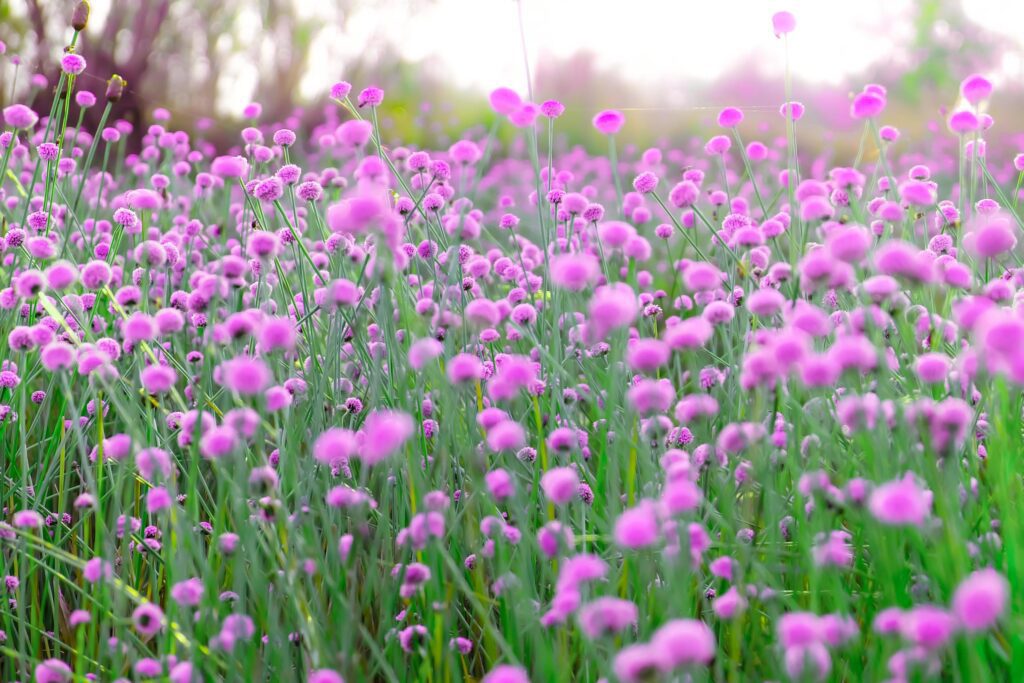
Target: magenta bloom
[638,527]
[20,117]
[552,109]
[370,97]
[993,237]
[72,64]
[607,616]
[148,619]
[559,484]
[730,117]
[506,673]
[683,642]
[783,23]
[976,88]
[334,446]
[248,376]
[53,671]
[229,167]
[463,368]
[867,105]
[609,122]
[340,90]
[792,110]
[639,662]
[574,272]
[932,367]
[612,306]
[383,434]
[504,101]
[981,599]
[928,626]
[900,503]
[158,379]
[325,676]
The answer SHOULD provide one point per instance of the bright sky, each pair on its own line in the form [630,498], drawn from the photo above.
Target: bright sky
[477,42]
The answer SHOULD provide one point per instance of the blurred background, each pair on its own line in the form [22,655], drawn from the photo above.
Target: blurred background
[669,64]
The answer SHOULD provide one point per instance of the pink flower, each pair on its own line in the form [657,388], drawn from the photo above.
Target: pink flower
[981,599]
[559,484]
[783,23]
[334,446]
[612,306]
[605,616]
[900,503]
[506,673]
[609,122]
[682,642]
[637,527]
[383,434]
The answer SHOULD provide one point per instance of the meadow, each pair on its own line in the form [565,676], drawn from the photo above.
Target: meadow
[323,407]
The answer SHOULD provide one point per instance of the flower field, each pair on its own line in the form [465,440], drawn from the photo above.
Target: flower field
[323,407]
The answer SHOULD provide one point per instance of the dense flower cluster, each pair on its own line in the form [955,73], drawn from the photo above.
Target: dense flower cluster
[317,408]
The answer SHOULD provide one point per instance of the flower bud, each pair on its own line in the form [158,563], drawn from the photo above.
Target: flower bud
[80,16]
[115,88]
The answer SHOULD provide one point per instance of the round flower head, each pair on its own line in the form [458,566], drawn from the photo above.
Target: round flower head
[783,23]
[645,183]
[506,673]
[976,88]
[867,105]
[340,90]
[993,237]
[932,368]
[245,375]
[422,351]
[606,616]
[370,97]
[719,144]
[981,599]
[552,109]
[218,442]
[615,234]
[684,194]
[229,167]
[269,190]
[53,671]
[72,64]
[683,642]
[637,527]
[559,484]
[48,151]
[963,122]
[730,117]
[525,115]
[609,122]
[900,502]
[20,117]
[158,379]
[325,676]
[792,110]
[148,619]
[464,368]
[612,307]
[383,434]
[506,436]
[928,626]
[355,133]
[284,137]
[504,101]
